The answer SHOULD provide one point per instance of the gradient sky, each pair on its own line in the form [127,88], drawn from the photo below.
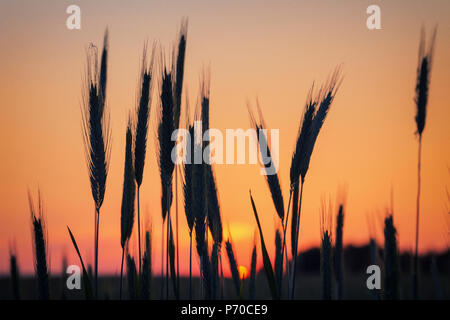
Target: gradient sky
[272,50]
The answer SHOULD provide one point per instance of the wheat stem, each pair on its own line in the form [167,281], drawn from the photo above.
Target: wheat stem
[284,249]
[139,230]
[167,246]
[416,254]
[97,224]
[162,259]
[190,266]
[297,229]
[121,274]
[176,227]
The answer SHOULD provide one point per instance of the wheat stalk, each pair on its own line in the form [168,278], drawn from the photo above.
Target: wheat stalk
[140,136]
[252,285]
[373,261]
[96,132]
[233,266]
[422,92]
[264,148]
[14,275]
[272,178]
[166,166]
[129,190]
[146,275]
[325,250]
[132,277]
[326,265]
[177,95]
[188,199]
[313,118]
[215,269]
[278,260]
[40,249]
[338,254]
[391,259]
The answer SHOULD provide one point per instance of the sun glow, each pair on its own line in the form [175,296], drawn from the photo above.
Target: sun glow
[243,272]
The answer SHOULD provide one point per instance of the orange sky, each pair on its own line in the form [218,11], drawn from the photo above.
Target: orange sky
[272,50]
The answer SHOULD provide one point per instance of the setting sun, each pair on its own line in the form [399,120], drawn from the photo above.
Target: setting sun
[243,272]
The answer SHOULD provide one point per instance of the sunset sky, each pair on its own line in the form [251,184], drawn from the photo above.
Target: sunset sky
[270,50]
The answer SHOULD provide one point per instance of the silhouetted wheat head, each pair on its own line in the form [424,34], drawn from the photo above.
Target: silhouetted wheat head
[299,154]
[272,178]
[316,111]
[338,252]
[423,80]
[140,136]
[142,114]
[421,99]
[187,183]
[200,210]
[165,129]
[391,263]
[326,251]
[132,277]
[96,132]
[128,195]
[147,271]
[14,275]
[96,125]
[214,215]
[129,191]
[40,248]
[188,194]
[212,197]
[180,53]
[144,283]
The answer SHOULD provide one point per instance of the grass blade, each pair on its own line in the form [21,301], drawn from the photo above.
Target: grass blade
[266,260]
[252,285]
[86,279]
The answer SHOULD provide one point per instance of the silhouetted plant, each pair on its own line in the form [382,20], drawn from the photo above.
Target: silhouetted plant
[265,255]
[278,259]
[132,277]
[140,136]
[338,256]
[326,251]
[314,116]
[166,166]
[188,199]
[233,266]
[129,190]
[391,263]
[215,269]
[252,285]
[14,276]
[39,247]
[96,132]
[422,92]
[273,182]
